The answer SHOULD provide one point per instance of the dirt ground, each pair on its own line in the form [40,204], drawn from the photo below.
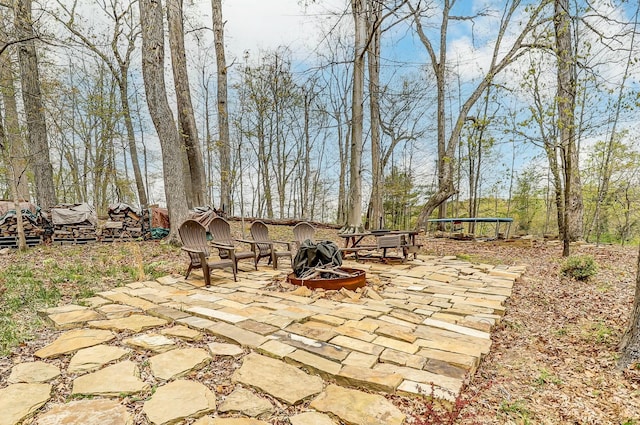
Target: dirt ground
[553,358]
[554,355]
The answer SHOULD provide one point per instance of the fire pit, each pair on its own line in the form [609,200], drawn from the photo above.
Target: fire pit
[343,277]
[319,265]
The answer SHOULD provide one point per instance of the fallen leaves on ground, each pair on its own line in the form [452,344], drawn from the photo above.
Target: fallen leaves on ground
[554,354]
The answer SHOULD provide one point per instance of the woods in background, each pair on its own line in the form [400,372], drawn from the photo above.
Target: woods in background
[370,131]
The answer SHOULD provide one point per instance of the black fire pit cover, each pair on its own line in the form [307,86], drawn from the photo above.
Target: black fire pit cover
[321,254]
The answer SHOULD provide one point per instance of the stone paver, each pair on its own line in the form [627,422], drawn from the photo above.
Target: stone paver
[117,311]
[357,407]
[71,319]
[318,365]
[179,400]
[87,412]
[118,379]
[74,340]
[95,357]
[245,402]
[223,349]
[229,421]
[277,349]
[236,334]
[19,401]
[311,418]
[278,379]
[153,342]
[33,372]
[179,362]
[182,332]
[371,379]
[426,321]
[135,323]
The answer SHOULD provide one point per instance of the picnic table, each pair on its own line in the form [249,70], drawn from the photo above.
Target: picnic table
[385,239]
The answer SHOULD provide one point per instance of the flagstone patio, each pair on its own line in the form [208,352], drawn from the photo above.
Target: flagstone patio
[417,327]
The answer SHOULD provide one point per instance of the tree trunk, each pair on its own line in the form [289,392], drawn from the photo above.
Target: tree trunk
[630,343]
[376,216]
[16,150]
[354,217]
[154,84]
[131,138]
[343,153]
[196,186]
[34,109]
[306,212]
[224,144]
[4,150]
[566,98]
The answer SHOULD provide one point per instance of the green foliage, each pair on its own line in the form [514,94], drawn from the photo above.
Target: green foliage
[400,199]
[22,294]
[40,278]
[517,410]
[610,190]
[526,198]
[546,378]
[22,288]
[579,267]
[154,270]
[598,332]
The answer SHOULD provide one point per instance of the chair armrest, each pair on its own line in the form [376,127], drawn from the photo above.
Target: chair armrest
[248,242]
[288,244]
[194,250]
[222,246]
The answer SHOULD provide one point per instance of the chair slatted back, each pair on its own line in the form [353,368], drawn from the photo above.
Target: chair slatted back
[260,233]
[303,231]
[193,235]
[221,231]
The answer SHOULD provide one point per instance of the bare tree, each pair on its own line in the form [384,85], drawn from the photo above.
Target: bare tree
[14,144]
[195,176]
[337,81]
[34,110]
[608,165]
[13,188]
[566,102]
[501,57]
[154,84]
[224,144]
[354,216]
[117,56]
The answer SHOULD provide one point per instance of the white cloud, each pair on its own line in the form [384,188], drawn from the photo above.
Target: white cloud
[255,25]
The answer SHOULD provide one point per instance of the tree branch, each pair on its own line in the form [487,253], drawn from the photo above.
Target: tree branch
[6,45]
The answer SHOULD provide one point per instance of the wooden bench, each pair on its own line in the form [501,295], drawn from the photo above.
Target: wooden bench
[391,241]
[356,250]
[399,242]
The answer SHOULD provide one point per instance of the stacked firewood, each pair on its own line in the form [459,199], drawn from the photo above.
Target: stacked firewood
[73,224]
[31,222]
[125,223]
[9,226]
[146,223]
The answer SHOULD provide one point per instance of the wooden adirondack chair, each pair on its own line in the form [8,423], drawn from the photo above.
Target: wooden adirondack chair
[220,231]
[194,243]
[303,231]
[265,247]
